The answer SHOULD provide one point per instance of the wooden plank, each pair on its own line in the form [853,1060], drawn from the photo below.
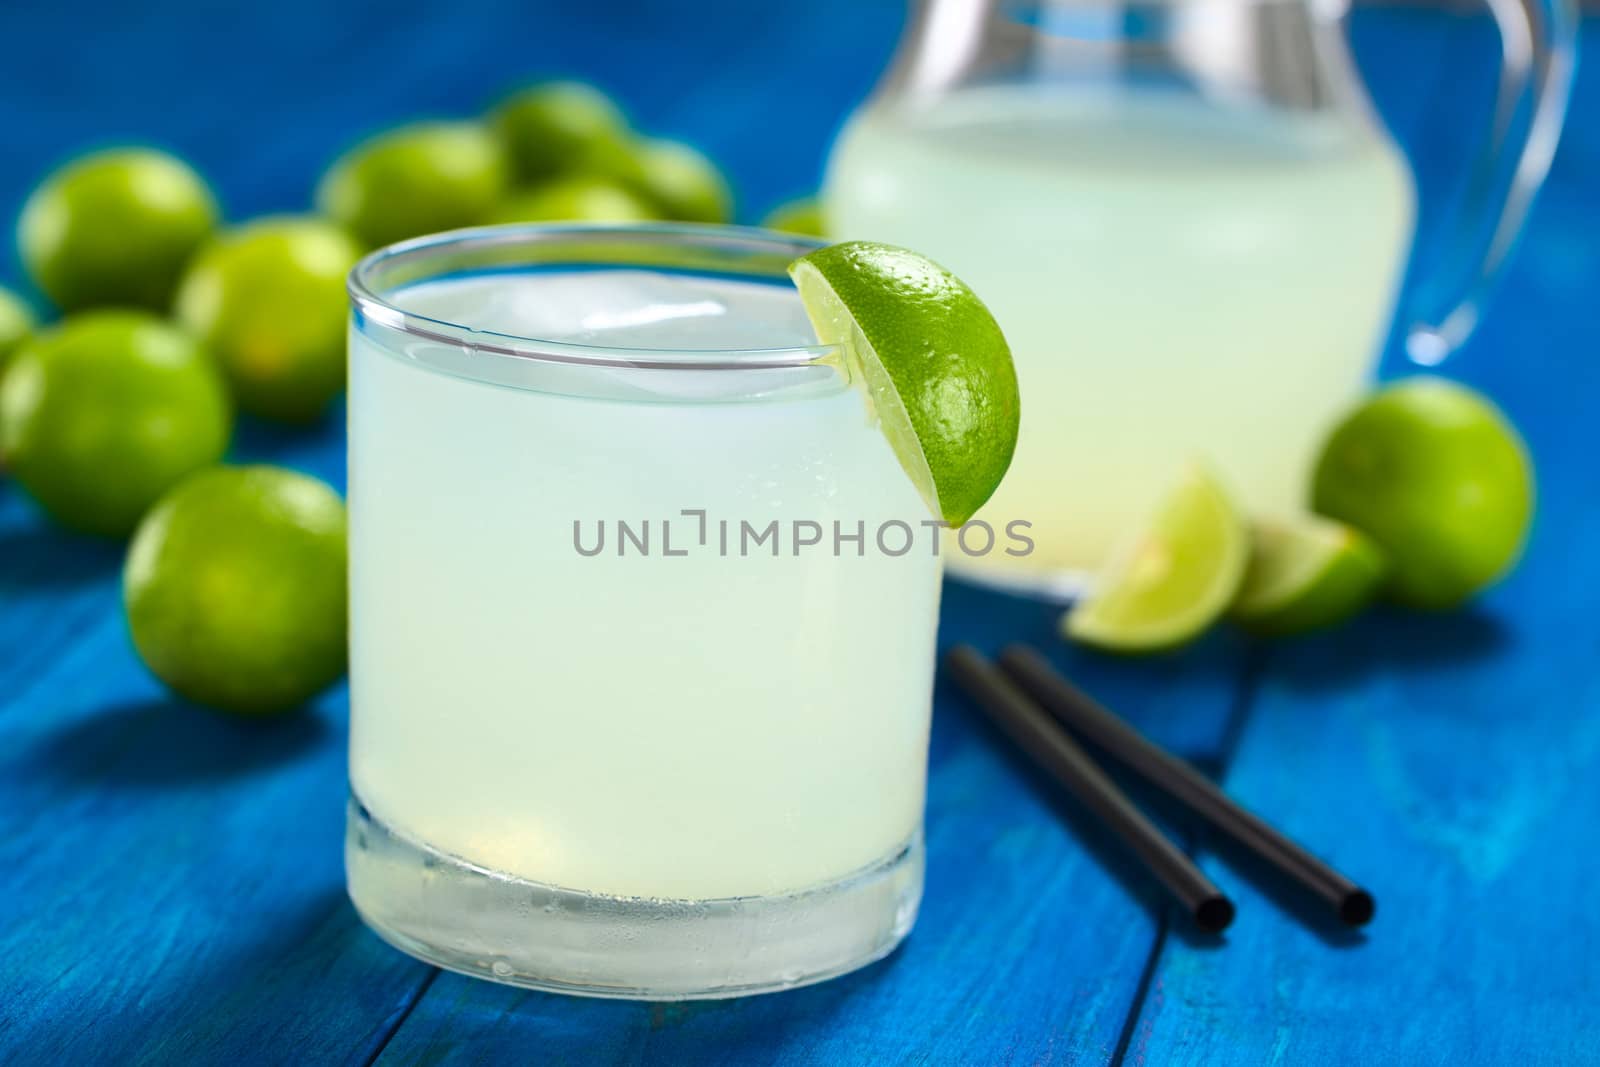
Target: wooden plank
[173,879]
[1450,761]
[53,585]
[759,86]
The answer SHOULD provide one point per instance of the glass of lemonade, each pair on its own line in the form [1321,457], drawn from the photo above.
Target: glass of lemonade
[633,711]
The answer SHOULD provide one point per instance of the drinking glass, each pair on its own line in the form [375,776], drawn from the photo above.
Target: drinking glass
[640,676]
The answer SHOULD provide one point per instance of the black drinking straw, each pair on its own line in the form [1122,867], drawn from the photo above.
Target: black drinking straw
[1048,745]
[1080,713]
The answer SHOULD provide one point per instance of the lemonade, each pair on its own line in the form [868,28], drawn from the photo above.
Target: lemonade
[1177,282]
[675,761]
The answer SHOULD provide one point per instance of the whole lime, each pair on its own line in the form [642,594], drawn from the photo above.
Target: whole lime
[115,227]
[235,588]
[1437,476]
[103,414]
[268,299]
[16,325]
[683,182]
[417,179]
[578,198]
[564,128]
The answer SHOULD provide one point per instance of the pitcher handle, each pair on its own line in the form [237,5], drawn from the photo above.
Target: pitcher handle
[1538,45]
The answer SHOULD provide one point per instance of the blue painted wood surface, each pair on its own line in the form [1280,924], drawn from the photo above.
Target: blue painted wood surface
[172,879]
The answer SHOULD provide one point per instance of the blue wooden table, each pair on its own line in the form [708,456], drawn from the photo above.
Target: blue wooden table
[171,880]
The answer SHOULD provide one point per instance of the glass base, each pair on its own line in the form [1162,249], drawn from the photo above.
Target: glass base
[448,912]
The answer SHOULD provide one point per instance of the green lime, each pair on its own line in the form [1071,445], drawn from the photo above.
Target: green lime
[1437,476]
[797,216]
[1306,574]
[685,184]
[101,415]
[417,179]
[16,325]
[564,128]
[578,198]
[935,369]
[269,300]
[1174,580]
[115,227]
[235,589]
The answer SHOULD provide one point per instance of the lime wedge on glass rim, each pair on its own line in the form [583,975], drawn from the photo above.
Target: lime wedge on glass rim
[1305,574]
[1172,581]
[935,369]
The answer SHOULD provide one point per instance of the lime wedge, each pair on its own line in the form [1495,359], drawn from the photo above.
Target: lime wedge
[1174,580]
[934,367]
[1306,574]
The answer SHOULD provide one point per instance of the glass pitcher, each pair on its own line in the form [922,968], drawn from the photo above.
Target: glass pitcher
[1190,223]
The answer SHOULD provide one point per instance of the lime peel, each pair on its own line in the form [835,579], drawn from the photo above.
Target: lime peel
[934,369]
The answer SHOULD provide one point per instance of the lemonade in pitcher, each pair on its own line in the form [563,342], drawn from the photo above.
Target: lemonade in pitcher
[1190,223]
[1174,280]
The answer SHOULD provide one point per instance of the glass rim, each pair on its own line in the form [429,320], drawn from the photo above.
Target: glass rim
[367,300]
